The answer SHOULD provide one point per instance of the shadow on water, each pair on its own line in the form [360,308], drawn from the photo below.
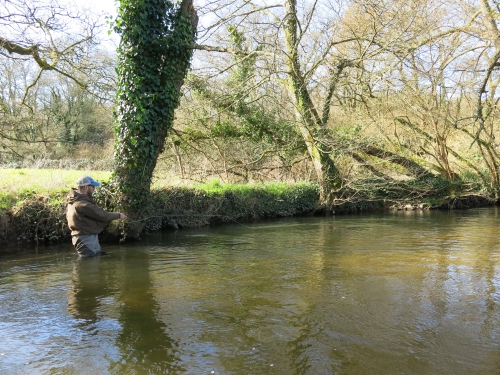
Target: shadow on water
[118,288]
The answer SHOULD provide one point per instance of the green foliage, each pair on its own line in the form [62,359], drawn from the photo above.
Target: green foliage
[240,116]
[246,63]
[348,132]
[154,55]
[263,200]
[256,125]
[213,186]
[7,200]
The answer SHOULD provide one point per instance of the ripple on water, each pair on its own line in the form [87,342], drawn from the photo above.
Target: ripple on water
[350,294]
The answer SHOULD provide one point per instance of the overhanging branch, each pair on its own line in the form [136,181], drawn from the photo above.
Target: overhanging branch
[227,50]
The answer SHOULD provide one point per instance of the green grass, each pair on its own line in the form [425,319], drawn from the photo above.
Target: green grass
[216,187]
[18,183]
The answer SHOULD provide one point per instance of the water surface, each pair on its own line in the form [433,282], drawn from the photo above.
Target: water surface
[397,293]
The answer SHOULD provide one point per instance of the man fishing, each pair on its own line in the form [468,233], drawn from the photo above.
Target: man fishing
[85,219]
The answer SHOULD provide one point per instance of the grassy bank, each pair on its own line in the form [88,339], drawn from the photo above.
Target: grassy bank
[19,184]
[33,204]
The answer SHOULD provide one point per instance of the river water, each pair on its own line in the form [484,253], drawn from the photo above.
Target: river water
[393,293]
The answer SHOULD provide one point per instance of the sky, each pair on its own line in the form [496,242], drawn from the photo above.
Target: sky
[98,6]
[102,7]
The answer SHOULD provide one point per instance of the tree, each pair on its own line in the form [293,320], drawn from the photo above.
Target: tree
[343,62]
[153,60]
[57,120]
[447,92]
[292,57]
[311,123]
[313,50]
[51,67]
[57,38]
[232,127]
[484,28]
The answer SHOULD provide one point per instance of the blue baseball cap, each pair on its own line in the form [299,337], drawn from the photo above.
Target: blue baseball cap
[86,180]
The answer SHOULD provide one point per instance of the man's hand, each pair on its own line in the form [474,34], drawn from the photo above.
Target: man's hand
[123,216]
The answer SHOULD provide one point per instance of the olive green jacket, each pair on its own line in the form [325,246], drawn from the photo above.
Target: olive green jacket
[84,216]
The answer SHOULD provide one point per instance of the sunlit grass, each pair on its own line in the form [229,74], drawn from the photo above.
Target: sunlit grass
[214,186]
[13,180]
[16,182]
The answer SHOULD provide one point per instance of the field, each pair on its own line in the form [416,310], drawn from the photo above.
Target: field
[16,182]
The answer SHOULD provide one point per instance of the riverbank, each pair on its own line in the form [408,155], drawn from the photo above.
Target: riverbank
[36,216]
[39,218]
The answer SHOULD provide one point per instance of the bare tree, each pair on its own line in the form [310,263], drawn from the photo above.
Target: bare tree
[326,55]
[58,38]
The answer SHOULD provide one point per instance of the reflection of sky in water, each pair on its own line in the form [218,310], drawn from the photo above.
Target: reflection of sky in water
[393,293]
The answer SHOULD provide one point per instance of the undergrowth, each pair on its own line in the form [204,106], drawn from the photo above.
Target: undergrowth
[40,218]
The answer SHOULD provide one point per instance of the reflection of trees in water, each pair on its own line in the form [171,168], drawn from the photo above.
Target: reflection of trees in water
[432,287]
[364,295]
[143,343]
[487,267]
[255,305]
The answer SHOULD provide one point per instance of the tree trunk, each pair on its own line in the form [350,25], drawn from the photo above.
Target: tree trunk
[154,56]
[309,122]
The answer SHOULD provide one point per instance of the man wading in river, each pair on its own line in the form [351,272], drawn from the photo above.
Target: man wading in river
[85,219]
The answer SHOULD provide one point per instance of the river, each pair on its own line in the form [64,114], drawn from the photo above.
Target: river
[391,293]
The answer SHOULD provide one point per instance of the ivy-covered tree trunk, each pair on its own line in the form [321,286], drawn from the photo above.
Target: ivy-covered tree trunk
[153,58]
